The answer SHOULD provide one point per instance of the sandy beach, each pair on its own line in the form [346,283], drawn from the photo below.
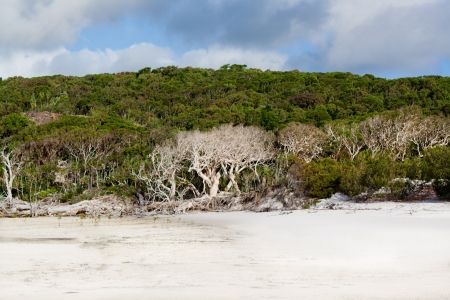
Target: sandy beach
[392,252]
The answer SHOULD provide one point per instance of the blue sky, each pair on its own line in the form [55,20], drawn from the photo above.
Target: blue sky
[386,38]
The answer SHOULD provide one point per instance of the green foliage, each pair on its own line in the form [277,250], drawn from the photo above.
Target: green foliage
[321,178]
[436,166]
[45,193]
[134,111]
[319,115]
[367,174]
[12,124]
[189,98]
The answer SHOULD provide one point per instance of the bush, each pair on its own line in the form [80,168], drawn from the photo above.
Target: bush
[368,174]
[321,178]
[435,165]
[12,124]
[351,180]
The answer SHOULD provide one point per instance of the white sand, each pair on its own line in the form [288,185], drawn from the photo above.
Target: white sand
[384,254]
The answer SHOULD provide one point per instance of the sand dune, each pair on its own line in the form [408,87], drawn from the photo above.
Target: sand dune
[327,254]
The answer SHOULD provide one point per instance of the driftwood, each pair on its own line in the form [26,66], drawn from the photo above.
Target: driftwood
[102,206]
[271,199]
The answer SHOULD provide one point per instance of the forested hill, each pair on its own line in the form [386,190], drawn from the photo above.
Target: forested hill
[190,98]
[78,136]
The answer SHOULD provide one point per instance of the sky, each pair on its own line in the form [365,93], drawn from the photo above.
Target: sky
[387,38]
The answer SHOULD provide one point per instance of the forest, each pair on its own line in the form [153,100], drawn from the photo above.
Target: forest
[174,133]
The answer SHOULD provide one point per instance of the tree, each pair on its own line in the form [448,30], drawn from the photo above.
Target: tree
[389,134]
[372,134]
[245,148]
[12,124]
[204,155]
[228,149]
[430,132]
[91,151]
[303,140]
[347,136]
[10,169]
[304,100]
[435,167]
[166,162]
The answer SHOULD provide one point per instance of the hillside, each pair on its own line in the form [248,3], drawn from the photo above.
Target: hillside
[73,138]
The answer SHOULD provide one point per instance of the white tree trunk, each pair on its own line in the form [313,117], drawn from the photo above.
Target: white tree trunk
[173,187]
[233,182]
[214,188]
[10,168]
[9,177]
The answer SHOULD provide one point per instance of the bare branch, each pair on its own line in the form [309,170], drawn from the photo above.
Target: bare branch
[347,136]
[303,140]
[10,169]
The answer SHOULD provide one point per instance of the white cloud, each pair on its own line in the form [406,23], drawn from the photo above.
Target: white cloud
[48,24]
[84,62]
[217,56]
[62,61]
[109,61]
[408,35]
[27,63]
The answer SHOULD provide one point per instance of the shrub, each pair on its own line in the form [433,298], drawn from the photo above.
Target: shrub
[368,174]
[321,178]
[435,165]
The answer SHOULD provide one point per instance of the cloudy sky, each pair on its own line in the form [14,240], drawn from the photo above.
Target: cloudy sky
[388,38]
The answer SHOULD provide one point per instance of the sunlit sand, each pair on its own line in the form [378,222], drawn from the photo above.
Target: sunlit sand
[385,254]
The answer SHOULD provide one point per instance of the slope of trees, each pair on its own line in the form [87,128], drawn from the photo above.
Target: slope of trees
[191,98]
[173,133]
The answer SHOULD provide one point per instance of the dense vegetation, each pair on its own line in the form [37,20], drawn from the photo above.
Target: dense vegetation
[106,127]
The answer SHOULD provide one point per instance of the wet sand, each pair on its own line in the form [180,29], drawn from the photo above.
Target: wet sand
[312,255]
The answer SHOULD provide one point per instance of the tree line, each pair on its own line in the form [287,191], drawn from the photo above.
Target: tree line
[175,133]
[194,98]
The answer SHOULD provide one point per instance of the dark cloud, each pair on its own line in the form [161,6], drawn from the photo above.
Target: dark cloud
[409,39]
[251,23]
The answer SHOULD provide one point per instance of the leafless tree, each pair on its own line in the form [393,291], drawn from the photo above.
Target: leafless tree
[402,130]
[163,176]
[204,155]
[389,134]
[430,132]
[87,149]
[10,169]
[347,136]
[245,148]
[90,150]
[371,130]
[303,140]
[228,149]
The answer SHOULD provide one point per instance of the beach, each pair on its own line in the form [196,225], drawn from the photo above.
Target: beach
[392,252]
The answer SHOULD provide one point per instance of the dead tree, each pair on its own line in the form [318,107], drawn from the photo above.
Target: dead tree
[227,149]
[389,134]
[303,140]
[402,130]
[204,153]
[166,162]
[244,148]
[10,169]
[430,132]
[347,136]
[372,134]
[90,150]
